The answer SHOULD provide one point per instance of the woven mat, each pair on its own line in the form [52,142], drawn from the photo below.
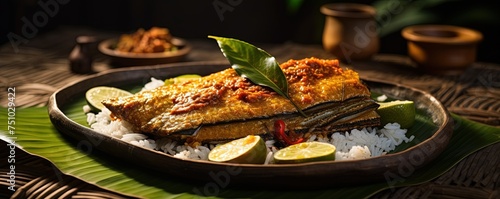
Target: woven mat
[39,178]
[41,67]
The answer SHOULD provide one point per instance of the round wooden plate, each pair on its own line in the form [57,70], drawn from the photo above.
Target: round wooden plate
[393,166]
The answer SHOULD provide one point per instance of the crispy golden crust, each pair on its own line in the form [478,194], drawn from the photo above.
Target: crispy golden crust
[226,97]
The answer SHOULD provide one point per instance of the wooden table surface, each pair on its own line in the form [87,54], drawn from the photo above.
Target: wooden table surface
[41,67]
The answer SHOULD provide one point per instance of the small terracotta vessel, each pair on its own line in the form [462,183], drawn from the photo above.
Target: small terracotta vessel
[350,31]
[80,58]
[442,49]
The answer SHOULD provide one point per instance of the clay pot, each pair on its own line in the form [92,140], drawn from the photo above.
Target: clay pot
[442,49]
[350,31]
[80,58]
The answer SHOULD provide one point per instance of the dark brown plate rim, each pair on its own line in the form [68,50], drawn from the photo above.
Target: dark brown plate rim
[315,174]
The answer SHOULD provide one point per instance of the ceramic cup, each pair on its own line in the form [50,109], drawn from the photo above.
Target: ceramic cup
[441,49]
[350,31]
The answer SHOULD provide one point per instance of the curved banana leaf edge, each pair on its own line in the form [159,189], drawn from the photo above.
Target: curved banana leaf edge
[35,134]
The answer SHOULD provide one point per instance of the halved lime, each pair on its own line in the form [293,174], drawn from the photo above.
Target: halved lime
[399,111]
[305,152]
[96,95]
[181,78]
[248,150]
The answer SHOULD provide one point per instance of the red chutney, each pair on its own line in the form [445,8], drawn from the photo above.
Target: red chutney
[303,74]
[246,91]
[308,70]
[188,101]
[211,89]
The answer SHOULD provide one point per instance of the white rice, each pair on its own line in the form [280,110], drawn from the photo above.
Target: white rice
[154,83]
[351,145]
[382,98]
[367,142]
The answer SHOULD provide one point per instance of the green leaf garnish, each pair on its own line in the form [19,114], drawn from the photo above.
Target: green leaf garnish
[255,64]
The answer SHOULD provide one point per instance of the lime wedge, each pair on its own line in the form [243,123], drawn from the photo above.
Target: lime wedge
[96,95]
[305,152]
[247,150]
[399,111]
[181,78]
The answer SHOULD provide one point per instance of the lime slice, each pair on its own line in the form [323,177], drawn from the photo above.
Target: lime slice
[399,111]
[247,150]
[181,78]
[96,95]
[305,152]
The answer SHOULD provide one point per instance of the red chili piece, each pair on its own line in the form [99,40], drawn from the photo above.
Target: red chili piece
[279,133]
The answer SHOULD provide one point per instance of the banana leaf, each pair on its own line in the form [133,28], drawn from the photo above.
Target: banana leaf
[35,134]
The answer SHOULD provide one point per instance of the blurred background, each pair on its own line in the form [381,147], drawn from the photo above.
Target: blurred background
[275,21]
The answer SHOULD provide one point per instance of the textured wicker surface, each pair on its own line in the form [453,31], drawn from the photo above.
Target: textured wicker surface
[41,67]
[39,178]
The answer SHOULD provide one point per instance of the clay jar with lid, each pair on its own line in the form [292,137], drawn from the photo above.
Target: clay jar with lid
[441,49]
[350,31]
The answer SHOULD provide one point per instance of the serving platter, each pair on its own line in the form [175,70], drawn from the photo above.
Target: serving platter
[432,130]
[120,59]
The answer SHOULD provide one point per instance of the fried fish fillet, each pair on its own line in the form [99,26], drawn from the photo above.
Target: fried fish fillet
[224,105]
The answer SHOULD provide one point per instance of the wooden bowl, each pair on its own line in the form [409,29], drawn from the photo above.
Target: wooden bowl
[442,49]
[122,59]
